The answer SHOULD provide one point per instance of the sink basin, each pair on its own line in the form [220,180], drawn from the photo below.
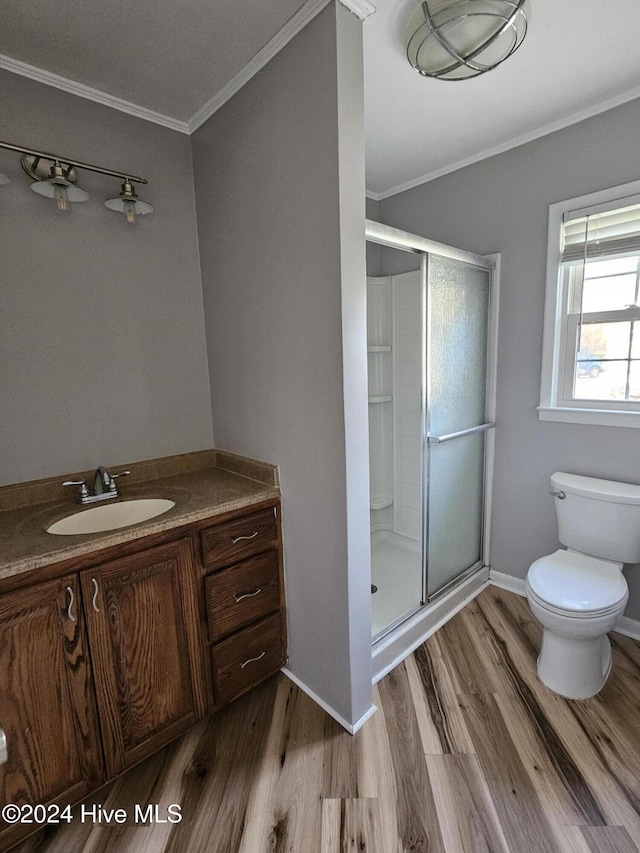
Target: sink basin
[110,516]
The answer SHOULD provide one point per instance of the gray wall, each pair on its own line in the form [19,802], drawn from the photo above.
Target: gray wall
[102,345]
[501,205]
[280,199]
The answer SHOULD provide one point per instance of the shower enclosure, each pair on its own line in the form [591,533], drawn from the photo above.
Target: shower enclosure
[431,353]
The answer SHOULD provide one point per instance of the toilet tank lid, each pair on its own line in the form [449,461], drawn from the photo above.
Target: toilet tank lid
[592,487]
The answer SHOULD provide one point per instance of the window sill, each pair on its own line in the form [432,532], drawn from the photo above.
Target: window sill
[594,417]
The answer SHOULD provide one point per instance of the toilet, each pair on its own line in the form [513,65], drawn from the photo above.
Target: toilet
[579,594]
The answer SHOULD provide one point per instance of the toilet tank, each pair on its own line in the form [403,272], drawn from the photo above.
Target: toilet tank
[598,517]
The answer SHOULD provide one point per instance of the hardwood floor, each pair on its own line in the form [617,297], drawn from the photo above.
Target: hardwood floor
[467,752]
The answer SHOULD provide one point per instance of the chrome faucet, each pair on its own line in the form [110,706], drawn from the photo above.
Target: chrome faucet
[104,486]
[102,481]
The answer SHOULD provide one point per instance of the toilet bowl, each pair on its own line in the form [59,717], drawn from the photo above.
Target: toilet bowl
[577,599]
[578,595]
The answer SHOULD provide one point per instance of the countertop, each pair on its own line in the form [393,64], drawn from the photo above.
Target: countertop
[200,494]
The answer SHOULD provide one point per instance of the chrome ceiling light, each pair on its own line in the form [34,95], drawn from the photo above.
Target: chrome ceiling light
[54,179]
[460,39]
[128,203]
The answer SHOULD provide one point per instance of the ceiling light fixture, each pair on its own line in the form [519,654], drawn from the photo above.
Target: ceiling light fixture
[56,177]
[460,39]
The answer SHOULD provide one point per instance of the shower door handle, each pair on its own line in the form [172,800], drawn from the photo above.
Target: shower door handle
[439,439]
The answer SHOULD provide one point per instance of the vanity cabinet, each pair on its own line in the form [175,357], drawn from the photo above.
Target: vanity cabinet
[109,656]
[47,703]
[138,626]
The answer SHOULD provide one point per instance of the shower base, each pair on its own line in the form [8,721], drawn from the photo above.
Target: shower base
[396,572]
[395,645]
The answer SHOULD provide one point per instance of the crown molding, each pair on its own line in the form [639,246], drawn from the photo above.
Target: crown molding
[574,118]
[291,29]
[361,8]
[82,91]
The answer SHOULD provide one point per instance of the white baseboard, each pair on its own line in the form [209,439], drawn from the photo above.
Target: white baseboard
[627,627]
[507,582]
[352,728]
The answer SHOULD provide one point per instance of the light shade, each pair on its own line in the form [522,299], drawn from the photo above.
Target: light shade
[54,179]
[50,189]
[127,202]
[4,179]
[459,39]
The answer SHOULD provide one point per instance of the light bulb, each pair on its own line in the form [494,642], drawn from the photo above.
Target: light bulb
[129,210]
[127,202]
[61,196]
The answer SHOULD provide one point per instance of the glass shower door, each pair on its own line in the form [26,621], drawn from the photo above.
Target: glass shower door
[456,340]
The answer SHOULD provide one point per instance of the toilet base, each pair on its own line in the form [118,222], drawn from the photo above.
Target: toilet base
[574,668]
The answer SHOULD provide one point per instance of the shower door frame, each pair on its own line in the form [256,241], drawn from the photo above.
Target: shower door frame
[395,238]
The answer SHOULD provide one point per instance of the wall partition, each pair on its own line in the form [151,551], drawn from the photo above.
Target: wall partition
[431,414]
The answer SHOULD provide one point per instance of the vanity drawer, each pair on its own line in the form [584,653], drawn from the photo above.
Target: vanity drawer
[247,657]
[233,541]
[241,594]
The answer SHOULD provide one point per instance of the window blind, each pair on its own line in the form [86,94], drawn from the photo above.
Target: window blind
[614,230]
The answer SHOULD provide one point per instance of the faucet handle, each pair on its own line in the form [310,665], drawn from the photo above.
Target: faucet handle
[84,491]
[112,482]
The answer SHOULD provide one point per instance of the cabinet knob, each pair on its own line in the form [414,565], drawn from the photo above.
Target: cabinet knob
[4,752]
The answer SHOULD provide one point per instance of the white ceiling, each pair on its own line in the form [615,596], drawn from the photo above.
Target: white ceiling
[175,59]
[578,57]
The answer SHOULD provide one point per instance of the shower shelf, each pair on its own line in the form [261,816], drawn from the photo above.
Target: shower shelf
[381,502]
[380,398]
[384,348]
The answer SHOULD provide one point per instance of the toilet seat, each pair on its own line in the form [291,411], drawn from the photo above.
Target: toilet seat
[574,614]
[577,585]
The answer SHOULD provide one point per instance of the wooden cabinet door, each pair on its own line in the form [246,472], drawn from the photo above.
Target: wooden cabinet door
[138,626]
[47,705]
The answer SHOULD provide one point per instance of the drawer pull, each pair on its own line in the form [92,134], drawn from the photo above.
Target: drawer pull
[238,598]
[4,752]
[70,607]
[95,595]
[240,538]
[252,660]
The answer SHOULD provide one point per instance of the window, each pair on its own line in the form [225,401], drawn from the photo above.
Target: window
[591,347]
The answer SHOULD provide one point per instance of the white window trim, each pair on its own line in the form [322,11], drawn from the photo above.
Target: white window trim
[552,407]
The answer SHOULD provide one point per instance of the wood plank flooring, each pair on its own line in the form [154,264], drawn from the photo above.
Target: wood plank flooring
[468,752]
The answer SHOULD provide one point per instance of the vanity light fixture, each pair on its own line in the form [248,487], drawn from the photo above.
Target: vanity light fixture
[53,179]
[460,39]
[127,202]
[57,177]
